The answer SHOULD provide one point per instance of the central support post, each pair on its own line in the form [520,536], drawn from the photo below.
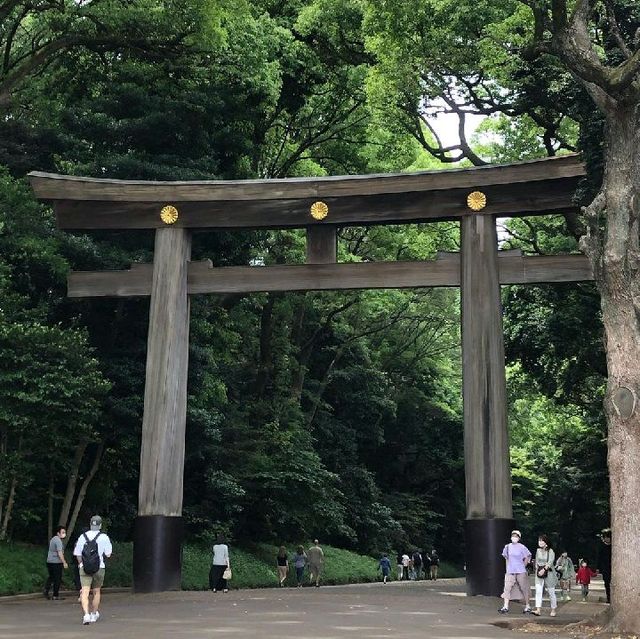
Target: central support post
[486,438]
[157,550]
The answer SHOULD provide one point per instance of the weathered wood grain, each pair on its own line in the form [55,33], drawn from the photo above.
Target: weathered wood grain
[548,196]
[51,186]
[322,245]
[165,394]
[486,438]
[513,269]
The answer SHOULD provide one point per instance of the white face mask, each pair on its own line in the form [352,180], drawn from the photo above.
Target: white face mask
[515,540]
[63,535]
[541,544]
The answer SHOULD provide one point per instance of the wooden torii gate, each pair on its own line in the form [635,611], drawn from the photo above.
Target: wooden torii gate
[474,197]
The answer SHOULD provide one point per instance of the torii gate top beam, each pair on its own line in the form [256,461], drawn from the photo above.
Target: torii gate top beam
[527,188]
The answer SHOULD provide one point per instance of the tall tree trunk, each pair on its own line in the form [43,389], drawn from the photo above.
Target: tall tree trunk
[323,385]
[11,500]
[83,490]
[3,454]
[50,505]
[72,481]
[266,355]
[613,246]
[9,509]
[299,371]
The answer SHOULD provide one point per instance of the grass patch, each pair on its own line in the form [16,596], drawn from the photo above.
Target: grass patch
[23,567]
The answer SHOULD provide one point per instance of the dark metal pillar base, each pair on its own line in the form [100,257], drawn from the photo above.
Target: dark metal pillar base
[485,539]
[157,553]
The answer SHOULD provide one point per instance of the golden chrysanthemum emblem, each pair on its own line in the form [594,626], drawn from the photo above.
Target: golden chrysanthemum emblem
[169,214]
[319,210]
[476,201]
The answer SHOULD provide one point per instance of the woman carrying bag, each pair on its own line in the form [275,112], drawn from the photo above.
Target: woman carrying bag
[220,568]
[545,575]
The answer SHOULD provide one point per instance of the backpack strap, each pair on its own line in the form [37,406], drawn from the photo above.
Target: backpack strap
[86,539]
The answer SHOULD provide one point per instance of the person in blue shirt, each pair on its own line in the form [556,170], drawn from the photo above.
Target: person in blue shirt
[385,566]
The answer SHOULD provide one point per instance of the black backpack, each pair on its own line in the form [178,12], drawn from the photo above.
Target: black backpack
[91,555]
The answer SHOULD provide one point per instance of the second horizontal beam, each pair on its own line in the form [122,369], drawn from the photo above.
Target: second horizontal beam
[202,278]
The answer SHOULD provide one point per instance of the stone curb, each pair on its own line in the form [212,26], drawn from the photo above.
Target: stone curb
[67,594]
[72,593]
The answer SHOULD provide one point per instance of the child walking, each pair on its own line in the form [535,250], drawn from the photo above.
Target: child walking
[584,578]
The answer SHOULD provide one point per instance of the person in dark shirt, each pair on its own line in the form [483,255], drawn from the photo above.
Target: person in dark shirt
[604,561]
[55,563]
[282,561]
[434,560]
[417,563]
[385,566]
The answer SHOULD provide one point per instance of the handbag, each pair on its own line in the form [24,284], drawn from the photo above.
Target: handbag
[542,571]
[227,573]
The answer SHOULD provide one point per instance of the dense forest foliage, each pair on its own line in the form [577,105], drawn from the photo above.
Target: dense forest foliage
[335,415]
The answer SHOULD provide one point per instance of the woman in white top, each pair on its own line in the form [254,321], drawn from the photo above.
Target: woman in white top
[219,565]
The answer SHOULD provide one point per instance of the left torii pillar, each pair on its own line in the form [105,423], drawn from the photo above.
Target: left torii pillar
[157,546]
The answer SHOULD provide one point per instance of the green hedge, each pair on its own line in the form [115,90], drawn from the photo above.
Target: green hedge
[22,567]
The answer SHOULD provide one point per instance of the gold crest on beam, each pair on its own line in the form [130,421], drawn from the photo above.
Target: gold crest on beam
[319,210]
[476,201]
[169,214]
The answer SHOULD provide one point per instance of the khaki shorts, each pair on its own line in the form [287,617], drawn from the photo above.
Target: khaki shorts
[518,582]
[92,581]
[315,570]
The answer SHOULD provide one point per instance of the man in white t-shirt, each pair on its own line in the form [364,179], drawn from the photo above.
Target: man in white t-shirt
[93,581]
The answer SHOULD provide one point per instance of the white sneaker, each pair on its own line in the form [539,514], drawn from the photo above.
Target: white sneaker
[95,616]
[86,620]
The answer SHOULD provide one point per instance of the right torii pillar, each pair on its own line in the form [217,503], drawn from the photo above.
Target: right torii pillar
[486,438]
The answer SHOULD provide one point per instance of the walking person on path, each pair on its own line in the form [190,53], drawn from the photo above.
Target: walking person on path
[91,549]
[545,575]
[516,556]
[299,562]
[385,567]
[55,563]
[584,578]
[219,564]
[282,561]
[417,563]
[405,566]
[399,565]
[315,557]
[604,562]
[434,561]
[566,572]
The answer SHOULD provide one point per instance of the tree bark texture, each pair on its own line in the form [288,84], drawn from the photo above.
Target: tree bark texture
[9,508]
[50,504]
[11,499]
[72,481]
[83,490]
[612,243]
[265,368]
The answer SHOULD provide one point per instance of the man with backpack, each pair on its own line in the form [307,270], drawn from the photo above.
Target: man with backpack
[91,549]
